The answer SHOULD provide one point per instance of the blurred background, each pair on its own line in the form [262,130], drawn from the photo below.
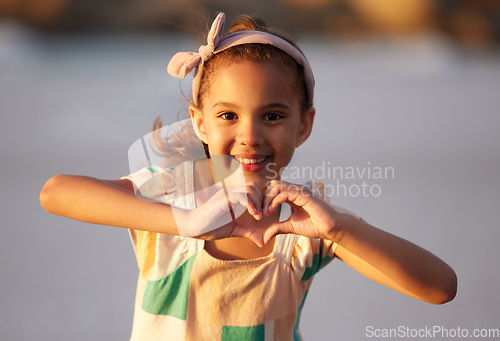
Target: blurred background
[408,84]
[470,22]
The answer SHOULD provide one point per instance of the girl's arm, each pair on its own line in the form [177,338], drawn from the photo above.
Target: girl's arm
[104,202]
[113,202]
[377,254]
[393,261]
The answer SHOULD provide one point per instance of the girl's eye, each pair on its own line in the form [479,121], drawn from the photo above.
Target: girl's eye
[272,116]
[228,116]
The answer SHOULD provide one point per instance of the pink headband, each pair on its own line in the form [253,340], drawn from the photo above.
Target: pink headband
[184,62]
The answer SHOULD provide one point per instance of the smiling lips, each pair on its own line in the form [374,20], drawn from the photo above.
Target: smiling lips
[252,164]
[251,161]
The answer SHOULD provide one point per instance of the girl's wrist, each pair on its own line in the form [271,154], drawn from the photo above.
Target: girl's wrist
[341,226]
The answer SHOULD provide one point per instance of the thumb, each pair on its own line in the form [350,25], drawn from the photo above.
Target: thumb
[249,232]
[275,229]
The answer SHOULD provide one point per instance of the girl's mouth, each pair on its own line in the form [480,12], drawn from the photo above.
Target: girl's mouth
[254,164]
[251,161]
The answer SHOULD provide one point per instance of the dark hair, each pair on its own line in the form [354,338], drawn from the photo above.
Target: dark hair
[256,53]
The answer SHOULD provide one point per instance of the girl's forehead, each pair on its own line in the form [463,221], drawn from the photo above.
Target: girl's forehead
[251,82]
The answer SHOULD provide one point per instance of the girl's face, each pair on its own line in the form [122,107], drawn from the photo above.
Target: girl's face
[252,112]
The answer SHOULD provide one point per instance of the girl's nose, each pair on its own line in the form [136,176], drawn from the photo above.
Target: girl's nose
[249,133]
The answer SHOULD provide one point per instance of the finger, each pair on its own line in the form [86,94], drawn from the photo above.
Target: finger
[253,209]
[295,195]
[281,198]
[248,197]
[282,192]
[240,201]
[275,229]
[255,196]
[249,232]
[273,189]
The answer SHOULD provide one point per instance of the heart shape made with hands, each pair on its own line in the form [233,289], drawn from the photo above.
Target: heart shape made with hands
[207,195]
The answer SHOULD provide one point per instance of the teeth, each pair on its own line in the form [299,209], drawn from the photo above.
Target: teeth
[251,161]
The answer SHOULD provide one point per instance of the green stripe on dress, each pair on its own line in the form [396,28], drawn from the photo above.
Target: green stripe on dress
[296,335]
[317,264]
[253,333]
[169,295]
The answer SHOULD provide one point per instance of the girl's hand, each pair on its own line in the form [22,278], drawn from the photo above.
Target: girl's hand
[310,216]
[216,217]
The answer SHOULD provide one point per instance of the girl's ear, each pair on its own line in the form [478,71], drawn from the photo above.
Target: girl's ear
[305,126]
[198,123]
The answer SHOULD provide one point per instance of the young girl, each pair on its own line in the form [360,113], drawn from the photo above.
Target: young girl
[199,280]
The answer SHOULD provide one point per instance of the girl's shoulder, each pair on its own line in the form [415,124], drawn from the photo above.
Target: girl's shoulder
[305,256]
[169,185]
[159,254]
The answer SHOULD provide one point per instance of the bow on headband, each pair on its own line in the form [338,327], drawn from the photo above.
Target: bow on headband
[183,63]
